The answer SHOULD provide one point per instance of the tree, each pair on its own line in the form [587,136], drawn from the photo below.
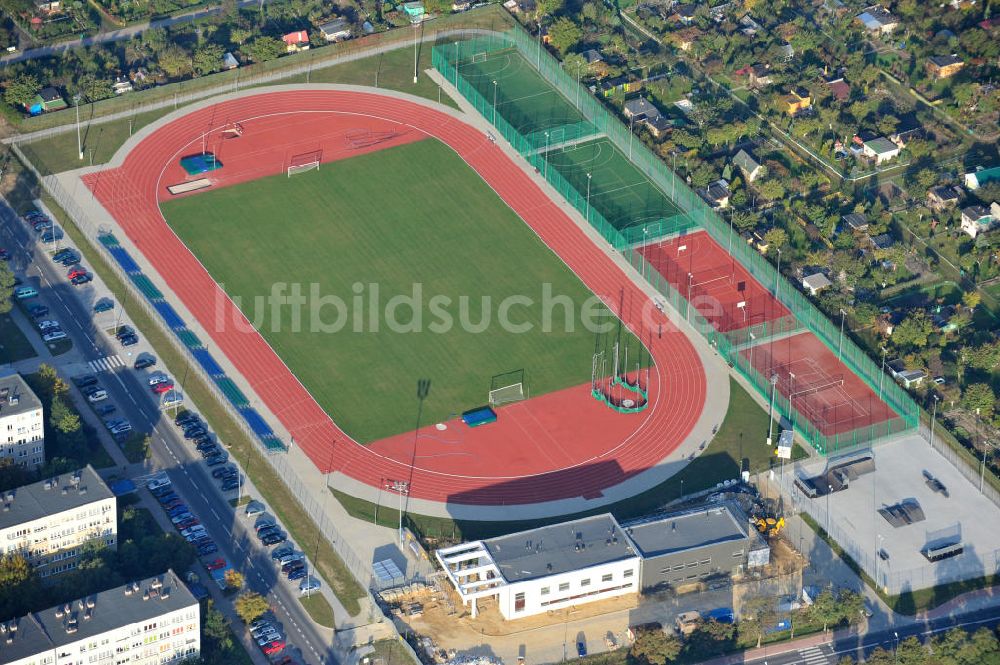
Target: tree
[217,628]
[251,606]
[240,36]
[93,88]
[654,647]
[970,299]
[64,419]
[824,608]
[234,579]
[979,396]
[174,61]
[758,615]
[548,7]
[771,189]
[263,49]
[851,605]
[208,59]
[776,238]
[21,90]
[6,287]
[913,331]
[564,34]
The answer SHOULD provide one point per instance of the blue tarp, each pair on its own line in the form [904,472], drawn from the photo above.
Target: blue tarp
[196,164]
[482,415]
[122,487]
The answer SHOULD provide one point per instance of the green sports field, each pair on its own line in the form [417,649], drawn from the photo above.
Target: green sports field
[405,218]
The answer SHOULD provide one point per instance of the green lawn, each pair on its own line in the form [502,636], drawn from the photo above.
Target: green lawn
[319,609]
[447,236]
[14,346]
[742,435]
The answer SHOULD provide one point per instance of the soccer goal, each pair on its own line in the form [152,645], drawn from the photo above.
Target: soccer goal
[479,57]
[507,388]
[306,161]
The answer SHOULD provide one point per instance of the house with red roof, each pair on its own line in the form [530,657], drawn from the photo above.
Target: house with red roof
[296,41]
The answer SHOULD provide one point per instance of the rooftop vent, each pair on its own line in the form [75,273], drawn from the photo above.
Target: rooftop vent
[86,615]
[67,608]
[145,595]
[135,587]
[80,604]
[3,627]
[165,593]
[156,584]
[59,612]
[83,489]
[65,491]
[90,603]
[10,638]
[548,567]
[48,484]
[72,625]
[10,496]
[6,507]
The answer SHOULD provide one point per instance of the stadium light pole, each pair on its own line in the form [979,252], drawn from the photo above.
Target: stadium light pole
[494,102]
[934,417]
[631,134]
[777,277]
[546,155]
[791,397]
[79,143]
[416,44]
[840,344]
[882,375]
[588,194]
[878,546]
[770,412]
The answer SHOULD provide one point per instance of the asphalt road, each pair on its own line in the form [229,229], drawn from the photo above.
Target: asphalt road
[192,480]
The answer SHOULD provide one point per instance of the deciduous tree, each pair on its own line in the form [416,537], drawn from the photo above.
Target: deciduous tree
[20,90]
[251,606]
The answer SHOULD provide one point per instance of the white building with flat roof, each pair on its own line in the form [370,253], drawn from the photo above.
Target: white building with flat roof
[49,521]
[548,568]
[152,622]
[22,423]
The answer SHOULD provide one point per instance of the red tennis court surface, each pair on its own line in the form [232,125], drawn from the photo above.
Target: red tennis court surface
[713,281]
[556,446]
[821,387]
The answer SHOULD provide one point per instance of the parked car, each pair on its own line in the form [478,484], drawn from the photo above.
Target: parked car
[144,360]
[38,311]
[161,388]
[273,539]
[85,381]
[292,565]
[129,340]
[230,484]
[221,471]
[274,647]
[221,458]
[309,585]
[124,331]
[53,336]
[215,564]
[82,279]
[48,324]
[185,417]
[98,395]
[282,551]
[297,574]
[25,292]
[105,409]
[207,548]
[76,271]
[104,305]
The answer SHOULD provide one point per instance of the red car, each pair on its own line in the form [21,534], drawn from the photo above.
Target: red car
[216,564]
[76,272]
[164,387]
[274,647]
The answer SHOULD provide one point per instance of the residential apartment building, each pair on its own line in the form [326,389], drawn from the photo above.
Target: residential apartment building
[49,521]
[22,427]
[152,622]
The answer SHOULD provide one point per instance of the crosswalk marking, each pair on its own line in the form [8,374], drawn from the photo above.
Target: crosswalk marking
[814,656]
[106,364]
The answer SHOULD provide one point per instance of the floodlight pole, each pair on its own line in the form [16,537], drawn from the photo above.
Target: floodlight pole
[770,412]
[840,345]
[631,134]
[546,160]
[777,279]
[882,375]
[416,44]
[878,546]
[79,142]
[588,196]
[791,397]
[934,417]
[494,103]
[687,310]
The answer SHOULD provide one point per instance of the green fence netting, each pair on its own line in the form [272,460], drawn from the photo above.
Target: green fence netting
[693,213]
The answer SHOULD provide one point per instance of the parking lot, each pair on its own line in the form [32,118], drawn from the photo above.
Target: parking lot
[953,511]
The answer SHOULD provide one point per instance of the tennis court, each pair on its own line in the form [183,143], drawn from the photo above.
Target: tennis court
[817,384]
[523,98]
[717,285]
[617,189]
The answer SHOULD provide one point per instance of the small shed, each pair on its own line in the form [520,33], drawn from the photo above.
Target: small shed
[47,99]
[816,283]
[336,30]
[229,61]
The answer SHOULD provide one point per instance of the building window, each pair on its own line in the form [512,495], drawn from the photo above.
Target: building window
[564,586]
[519,602]
[606,578]
[628,573]
[706,562]
[545,591]
[585,582]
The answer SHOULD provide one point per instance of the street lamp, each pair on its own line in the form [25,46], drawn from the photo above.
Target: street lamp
[631,133]
[777,277]
[829,491]
[895,647]
[770,411]
[401,487]
[882,375]
[791,397]
[79,142]
[986,447]
[934,417]
[840,345]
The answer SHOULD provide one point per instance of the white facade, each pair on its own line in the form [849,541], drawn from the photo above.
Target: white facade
[522,599]
[50,525]
[21,423]
[146,629]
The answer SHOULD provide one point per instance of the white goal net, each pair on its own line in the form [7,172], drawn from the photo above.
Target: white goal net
[507,394]
[304,162]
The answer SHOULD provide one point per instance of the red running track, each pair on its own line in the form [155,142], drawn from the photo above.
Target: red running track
[511,466]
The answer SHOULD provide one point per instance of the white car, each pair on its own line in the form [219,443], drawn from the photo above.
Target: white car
[171,399]
[54,336]
[191,531]
[308,584]
[158,378]
[98,396]
[48,324]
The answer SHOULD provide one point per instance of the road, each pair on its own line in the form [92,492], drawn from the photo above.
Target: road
[117,35]
[191,478]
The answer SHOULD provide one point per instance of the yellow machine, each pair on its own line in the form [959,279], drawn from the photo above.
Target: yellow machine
[769,526]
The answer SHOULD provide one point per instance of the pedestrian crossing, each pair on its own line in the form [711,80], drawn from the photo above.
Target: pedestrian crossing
[814,656]
[106,364]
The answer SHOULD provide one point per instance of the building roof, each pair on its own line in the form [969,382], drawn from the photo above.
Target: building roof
[945,60]
[881,145]
[54,495]
[876,16]
[744,161]
[856,221]
[336,25]
[295,38]
[16,396]
[982,176]
[592,56]
[559,548]
[49,94]
[816,281]
[107,610]
[839,88]
[686,530]
[640,106]
[718,190]
[945,192]
[882,241]
[976,212]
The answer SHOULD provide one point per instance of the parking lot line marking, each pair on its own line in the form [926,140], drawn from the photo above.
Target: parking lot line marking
[215,513]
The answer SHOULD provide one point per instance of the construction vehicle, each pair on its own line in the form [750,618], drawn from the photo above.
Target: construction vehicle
[769,526]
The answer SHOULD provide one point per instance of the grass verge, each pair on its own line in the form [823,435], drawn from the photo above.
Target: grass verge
[14,346]
[392,652]
[908,602]
[741,436]
[326,562]
[319,609]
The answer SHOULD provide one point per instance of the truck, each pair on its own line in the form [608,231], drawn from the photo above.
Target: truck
[687,622]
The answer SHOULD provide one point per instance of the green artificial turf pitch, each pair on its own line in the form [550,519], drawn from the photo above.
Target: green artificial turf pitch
[618,189]
[412,214]
[523,97]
